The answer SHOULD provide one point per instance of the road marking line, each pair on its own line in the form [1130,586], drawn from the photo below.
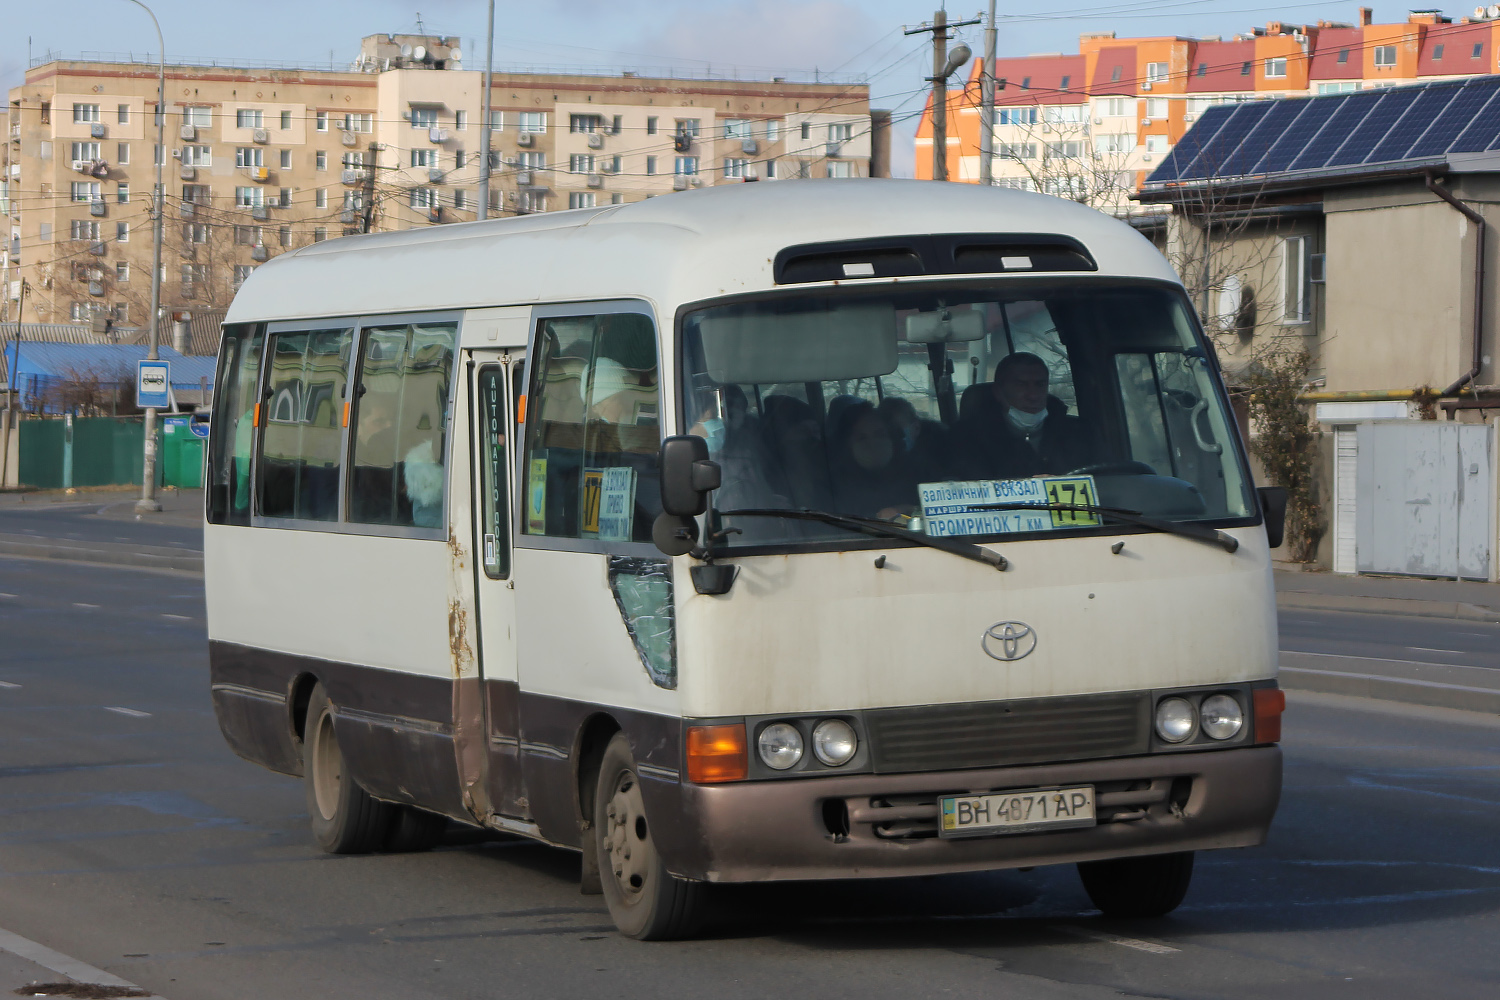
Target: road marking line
[181,618]
[133,712]
[56,961]
[7,595]
[8,684]
[80,604]
[1433,649]
[1151,947]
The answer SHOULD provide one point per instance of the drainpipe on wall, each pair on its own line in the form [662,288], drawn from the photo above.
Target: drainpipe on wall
[1477,334]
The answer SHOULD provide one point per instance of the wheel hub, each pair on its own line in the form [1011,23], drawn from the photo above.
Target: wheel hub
[327,766]
[626,836]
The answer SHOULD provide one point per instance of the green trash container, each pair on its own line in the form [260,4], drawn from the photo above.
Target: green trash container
[182,443]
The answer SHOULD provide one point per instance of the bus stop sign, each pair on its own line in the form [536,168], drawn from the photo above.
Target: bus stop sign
[151,385]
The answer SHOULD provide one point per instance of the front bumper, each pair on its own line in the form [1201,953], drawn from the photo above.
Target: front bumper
[873,826]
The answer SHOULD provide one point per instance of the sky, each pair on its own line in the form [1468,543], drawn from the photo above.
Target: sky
[798,39]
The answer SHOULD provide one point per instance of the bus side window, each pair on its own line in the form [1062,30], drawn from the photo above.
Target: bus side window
[233,425]
[302,443]
[593,430]
[400,426]
[494,506]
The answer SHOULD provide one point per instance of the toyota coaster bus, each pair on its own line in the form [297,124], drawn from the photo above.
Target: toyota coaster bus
[787,530]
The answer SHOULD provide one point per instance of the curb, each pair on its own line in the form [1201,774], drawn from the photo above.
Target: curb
[138,556]
[1438,685]
[1407,607]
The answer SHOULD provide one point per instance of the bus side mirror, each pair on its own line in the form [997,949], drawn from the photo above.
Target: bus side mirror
[1273,508]
[687,475]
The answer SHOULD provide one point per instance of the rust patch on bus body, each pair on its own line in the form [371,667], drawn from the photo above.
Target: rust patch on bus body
[468,708]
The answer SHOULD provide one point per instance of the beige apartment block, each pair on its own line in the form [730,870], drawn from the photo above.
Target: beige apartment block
[261,160]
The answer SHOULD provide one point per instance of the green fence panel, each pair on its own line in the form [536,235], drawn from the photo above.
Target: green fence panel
[41,459]
[107,451]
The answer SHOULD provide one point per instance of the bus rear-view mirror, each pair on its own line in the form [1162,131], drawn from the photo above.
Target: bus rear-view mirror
[944,326]
[687,475]
[1273,508]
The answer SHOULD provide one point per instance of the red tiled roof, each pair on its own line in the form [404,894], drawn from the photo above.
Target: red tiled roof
[1115,71]
[1040,79]
[1221,66]
[1457,41]
[1325,59]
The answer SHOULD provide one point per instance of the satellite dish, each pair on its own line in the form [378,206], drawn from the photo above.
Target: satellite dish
[1493,10]
[455,54]
[406,52]
[419,53]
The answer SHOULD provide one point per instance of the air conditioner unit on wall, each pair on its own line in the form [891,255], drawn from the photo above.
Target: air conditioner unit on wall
[437,135]
[595,181]
[434,176]
[261,135]
[596,141]
[187,173]
[188,134]
[349,139]
[525,139]
[96,130]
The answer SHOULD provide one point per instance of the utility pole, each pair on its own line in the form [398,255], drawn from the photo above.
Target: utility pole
[987,105]
[943,66]
[367,190]
[10,400]
[484,115]
[148,502]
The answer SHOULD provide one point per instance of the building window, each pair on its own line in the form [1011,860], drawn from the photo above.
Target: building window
[1063,150]
[840,168]
[807,129]
[1437,52]
[1066,114]
[497,121]
[424,117]
[604,449]
[320,160]
[651,125]
[460,120]
[249,156]
[1156,107]
[690,127]
[1202,69]
[359,122]
[1340,87]
[84,190]
[246,236]
[1114,74]
[1156,144]
[580,199]
[1064,84]
[85,151]
[770,170]
[241,272]
[195,233]
[249,118]
[1296,300]
[423,197]
[686,166]
[841,132]
[122,270]
[1478,50]
[737,128]
[584,123]
[122,193]
[320,198]
[285,236]
[322,121]
[1119,142]
[650,165]
[581,163]
[122,153]
[1276,68]
[320,233]
[197,116]
[86,112]
[532,161]
[1246,68]
[83,229]
[460,158]
[196,156]
[735,167]
[773,130]
[1017,150]
[617,199]
[249,197]
[195,194]
[286,159]
[528,202]
[1385,55]
[532,121]
[424,158]
[122,114]
[1343,56]
[1155,72]
[1119,107]
[1025,83]
[461,200]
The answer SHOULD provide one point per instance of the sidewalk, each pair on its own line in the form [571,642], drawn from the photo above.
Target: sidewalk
[1463,600]
[101,525]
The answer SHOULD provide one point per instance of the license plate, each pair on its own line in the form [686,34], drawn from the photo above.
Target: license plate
[1016,812]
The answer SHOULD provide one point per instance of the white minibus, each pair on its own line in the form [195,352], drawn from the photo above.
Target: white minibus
[783,530]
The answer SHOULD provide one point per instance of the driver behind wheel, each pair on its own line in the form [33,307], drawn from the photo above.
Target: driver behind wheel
[1017,428]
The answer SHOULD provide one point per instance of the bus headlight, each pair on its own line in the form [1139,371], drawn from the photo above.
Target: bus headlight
[834,742]
[1221,716]
[1175,719]
[780,745]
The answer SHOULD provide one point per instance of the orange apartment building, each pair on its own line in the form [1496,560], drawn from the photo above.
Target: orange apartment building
[1092,126]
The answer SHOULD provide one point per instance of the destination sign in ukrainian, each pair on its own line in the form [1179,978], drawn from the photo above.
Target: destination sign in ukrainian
[1001,506]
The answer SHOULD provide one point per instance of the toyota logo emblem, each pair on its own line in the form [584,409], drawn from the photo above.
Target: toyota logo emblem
[1009,640]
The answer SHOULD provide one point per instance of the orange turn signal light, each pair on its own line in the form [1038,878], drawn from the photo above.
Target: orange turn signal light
[717,753]
[255,420]
[1269,704]
[520,409]
[346,414]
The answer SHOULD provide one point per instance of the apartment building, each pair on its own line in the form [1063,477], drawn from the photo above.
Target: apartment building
[261,160]
[1092,125]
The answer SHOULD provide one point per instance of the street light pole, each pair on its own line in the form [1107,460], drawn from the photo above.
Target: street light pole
[148,502]
[987,105]
[943,65]
[484,124]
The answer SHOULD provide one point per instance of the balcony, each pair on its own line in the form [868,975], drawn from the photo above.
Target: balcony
[187,173]
[352,177]
[186,210]
[259,253]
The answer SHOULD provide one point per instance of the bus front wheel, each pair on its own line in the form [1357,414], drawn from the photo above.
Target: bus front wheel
[345,818]
[646,901]
[1138,887]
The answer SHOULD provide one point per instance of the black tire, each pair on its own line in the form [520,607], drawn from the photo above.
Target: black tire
[414,829]
[646,901]
[345,819]
[1138,887]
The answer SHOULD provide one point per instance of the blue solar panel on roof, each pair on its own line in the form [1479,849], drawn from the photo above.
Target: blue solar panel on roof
[1214,153]
[1350,111]
[1463,109]
[1380,119]
[1253,147]
[1301,132]
[1480,132]
[1183,154]
[1414,121]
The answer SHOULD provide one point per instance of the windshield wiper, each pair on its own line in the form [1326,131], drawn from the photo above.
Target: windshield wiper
[878,528]
[1186,529]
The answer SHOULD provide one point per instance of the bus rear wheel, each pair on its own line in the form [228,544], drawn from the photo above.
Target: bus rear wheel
[1138,887]
[646,901]
[345,818]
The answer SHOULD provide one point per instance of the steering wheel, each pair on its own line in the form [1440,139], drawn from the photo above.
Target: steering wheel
[1113,469]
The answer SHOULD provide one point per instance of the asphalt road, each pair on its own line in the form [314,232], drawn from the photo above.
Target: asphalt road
[83,522]
[135,841]
[1391,637]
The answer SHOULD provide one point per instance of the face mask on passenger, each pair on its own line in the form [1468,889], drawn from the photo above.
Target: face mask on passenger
[1026,422]
[713,433]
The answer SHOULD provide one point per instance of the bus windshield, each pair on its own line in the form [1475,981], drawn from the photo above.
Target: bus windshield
[1003,408]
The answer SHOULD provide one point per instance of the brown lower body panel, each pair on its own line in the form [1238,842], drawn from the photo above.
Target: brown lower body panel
[782,830]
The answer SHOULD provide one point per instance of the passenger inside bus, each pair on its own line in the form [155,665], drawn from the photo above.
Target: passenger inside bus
[872,475]
[1017,428]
